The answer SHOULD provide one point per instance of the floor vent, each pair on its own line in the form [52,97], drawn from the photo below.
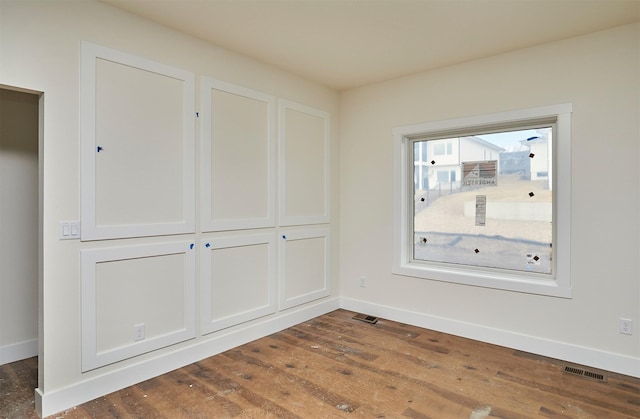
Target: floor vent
[365,318]
[584,373]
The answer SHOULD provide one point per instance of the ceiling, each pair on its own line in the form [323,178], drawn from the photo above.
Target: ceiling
[343,44]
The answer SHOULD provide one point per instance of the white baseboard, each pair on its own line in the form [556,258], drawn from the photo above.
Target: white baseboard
[49,403]
[18,351]
[595,358]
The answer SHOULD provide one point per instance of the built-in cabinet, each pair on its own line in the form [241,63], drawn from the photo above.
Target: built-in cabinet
[182,237]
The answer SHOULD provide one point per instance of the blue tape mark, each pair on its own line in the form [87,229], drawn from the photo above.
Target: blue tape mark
[532,138]
[191,246]
[284,237]
[197,114]
[207,245]
[100,149]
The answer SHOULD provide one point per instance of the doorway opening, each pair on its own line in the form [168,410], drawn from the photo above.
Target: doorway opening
[21,204]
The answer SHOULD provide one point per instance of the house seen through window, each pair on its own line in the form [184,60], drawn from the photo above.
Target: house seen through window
[485,199]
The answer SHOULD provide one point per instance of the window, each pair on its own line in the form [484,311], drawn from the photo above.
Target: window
[440,148]
[505,216]
[505,223]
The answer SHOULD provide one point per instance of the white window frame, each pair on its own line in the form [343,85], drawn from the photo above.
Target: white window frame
[559,284]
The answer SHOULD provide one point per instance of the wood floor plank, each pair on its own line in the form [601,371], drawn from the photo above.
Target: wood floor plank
[594,400]
[336,367]
[382,392]
[17,383]
[238,388]
[420,366]
[201,392]
[590,391]
[434,394]
[276,382]
[328,371]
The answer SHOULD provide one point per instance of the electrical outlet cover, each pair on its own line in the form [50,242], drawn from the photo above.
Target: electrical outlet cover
[626,326]
[138,332]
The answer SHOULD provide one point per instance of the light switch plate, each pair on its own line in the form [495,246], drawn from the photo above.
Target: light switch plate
[69,230]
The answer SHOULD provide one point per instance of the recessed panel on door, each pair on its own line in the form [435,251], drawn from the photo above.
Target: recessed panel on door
[304,164]
[238,157]
[136,299]
[238,279]
[137,146]
[304,266]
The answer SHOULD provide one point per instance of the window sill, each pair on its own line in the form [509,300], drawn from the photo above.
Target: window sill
[502,280]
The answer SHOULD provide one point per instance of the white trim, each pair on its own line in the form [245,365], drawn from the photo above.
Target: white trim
[91,358]
[207,246]
[302,234]
[609,361]
[484,120]
[18,351]
[52,402]
[290,220]
[560,286]
[89,229]
[206,219]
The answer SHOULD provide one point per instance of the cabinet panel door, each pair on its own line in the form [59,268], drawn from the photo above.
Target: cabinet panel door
[137,146]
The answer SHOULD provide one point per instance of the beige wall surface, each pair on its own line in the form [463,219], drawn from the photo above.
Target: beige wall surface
[18,217]
[600,75]
[40,49]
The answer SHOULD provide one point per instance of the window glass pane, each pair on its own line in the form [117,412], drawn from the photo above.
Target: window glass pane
[498,214]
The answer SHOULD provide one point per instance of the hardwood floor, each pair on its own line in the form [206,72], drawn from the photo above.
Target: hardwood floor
[334,366]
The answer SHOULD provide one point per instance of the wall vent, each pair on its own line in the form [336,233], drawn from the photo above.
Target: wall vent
[585,373]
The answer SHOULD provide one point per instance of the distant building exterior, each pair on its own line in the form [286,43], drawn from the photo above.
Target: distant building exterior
[540,163]
[515,163]
[438,163]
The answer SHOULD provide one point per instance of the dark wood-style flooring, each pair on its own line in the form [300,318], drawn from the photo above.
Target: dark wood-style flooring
[337,367]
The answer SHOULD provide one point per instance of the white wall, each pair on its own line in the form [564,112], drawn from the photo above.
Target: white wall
[600,75]
[18,225]
[40,49]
